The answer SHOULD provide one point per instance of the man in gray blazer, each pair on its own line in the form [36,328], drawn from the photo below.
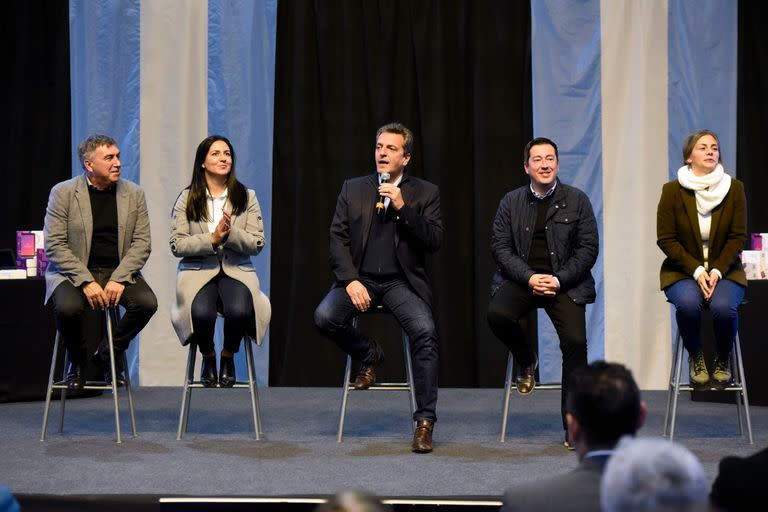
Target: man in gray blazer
[603,405]
[97,240]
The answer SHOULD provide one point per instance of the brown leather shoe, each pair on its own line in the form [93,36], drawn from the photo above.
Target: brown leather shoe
[365,378]
[422,437]
[367,375]
[526,379]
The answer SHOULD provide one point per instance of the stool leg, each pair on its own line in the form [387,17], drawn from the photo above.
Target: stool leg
[678,371]
[743,386]
[252,388]
[344,395]
[409,375]
[50,386]
[189,377]
[507,393]
[130,394]
[737,386]
[114,374]
[63,392]
[256,391]
[670,389]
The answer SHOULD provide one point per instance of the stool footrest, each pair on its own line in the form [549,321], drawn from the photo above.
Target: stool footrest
[198,385]
[88,386]
[384,386]
[548,385]
[705,389]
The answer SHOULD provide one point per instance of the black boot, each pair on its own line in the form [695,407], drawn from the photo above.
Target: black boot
[208,376]
[227,376]
[75,376]
[101,359]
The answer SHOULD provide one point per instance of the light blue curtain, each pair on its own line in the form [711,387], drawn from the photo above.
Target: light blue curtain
[565,64]
[703,44]
[104,43]
[241,77]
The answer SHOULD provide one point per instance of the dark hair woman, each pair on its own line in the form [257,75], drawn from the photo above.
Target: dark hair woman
[217,227]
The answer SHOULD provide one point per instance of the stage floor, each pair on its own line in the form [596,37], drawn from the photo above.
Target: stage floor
[298,454]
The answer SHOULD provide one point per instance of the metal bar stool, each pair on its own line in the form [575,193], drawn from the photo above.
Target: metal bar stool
[91,385]
[190,383]
[508,385]
[348,385]
[531,327]
[738,385]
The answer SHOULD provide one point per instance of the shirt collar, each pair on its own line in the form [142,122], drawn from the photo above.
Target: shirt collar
[209,196]
[546,194]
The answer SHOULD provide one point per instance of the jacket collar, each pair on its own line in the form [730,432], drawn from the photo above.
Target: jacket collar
[689,203]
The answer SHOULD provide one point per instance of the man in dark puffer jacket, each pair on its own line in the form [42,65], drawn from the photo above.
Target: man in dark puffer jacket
[544,240]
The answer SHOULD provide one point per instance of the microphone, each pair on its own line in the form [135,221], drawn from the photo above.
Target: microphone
[380,201]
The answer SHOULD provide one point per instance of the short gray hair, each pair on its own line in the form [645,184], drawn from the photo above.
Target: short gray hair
[646,474]
[86,147]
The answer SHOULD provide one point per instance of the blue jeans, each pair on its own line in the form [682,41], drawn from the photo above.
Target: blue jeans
[686,296]
[334,319]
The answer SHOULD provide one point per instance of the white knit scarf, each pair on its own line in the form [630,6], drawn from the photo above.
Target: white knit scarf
[710,189]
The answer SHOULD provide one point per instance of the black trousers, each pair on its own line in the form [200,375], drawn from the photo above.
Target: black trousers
[69,304]
[512,302]
[234,300]
[334,319]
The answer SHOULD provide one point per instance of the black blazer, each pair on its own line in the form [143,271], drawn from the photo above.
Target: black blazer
[419,229]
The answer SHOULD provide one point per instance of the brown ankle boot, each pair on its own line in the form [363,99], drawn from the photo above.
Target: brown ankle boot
[367,376]
[422,437]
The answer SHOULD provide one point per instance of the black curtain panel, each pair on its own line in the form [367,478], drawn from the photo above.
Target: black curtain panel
[458,73]
[752,118]
[36,126]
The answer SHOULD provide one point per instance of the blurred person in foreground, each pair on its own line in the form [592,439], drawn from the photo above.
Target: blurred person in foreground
[603,404]
[653,474]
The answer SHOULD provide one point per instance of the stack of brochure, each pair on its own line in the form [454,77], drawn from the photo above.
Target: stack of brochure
[14,273]
[755,261]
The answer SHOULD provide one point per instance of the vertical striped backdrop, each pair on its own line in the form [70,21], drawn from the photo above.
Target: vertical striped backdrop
[616,83]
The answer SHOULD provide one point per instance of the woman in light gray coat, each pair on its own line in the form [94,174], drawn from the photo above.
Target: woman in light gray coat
[217,227]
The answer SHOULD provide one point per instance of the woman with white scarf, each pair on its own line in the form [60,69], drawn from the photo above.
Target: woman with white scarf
[701,228]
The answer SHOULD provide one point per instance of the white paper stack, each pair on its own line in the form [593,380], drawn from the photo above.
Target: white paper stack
[14,273]
[754,264]
[31,267]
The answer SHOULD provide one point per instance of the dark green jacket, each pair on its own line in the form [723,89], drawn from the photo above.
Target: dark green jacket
[679,236]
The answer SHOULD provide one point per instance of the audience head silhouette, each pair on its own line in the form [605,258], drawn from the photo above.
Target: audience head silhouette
[603,405]
[653,474]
